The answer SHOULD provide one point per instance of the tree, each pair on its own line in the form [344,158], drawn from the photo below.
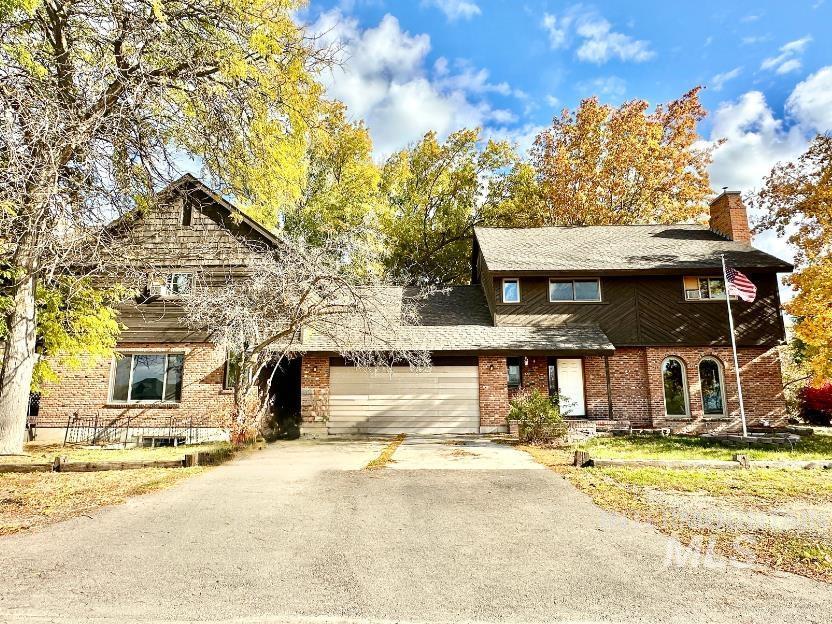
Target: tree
[797,200]
[99,99]
[606,165]
[438,192]
[294,294]
[341,193]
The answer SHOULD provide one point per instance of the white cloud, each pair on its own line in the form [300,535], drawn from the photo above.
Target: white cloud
[719,80]
[602,44]
[455,9]
[754,141]
[788,60]
[522,137]
[384,79]
[597,41]
[551,100]
[557,28]
[752,39]
[789,66]
[810,104]
[611,86]
[469,78]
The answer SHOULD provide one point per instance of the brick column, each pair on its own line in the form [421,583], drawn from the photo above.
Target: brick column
[536,373]
[493,380]
[314,389]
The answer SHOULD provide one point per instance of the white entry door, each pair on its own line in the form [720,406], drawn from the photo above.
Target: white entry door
[571,385]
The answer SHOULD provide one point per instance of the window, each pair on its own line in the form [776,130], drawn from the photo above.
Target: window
[713,392]
[511,290]
[514,375]
[232,371]
[574,290]
[675,387]
[704,288]
[178,283]
[140,377]
[187,211]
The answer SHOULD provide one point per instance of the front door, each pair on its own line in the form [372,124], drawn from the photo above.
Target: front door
[566,378]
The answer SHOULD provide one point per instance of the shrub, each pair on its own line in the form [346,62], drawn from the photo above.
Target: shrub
[540,420]
[816,405]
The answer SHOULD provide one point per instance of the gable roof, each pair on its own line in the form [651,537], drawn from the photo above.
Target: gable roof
[194,183]
[616,248]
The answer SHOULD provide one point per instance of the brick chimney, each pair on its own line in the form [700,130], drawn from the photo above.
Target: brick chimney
[729,218]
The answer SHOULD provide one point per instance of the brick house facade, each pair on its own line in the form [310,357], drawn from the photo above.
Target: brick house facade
[83,393]
[653,297]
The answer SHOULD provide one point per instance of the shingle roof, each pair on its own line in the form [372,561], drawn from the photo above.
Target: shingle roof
[616,248]
[457,319]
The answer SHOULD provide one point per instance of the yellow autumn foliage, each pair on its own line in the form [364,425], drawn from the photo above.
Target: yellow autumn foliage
[797,199]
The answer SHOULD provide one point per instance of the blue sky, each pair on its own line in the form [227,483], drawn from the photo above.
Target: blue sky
[509,66]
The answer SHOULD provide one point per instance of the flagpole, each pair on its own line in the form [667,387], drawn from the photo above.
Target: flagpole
[734,346]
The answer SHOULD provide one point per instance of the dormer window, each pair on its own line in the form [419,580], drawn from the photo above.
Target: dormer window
[178,283]
[171,285]
[574,290]
[511,290]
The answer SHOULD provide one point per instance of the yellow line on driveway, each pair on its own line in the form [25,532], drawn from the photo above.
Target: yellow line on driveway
[386,455]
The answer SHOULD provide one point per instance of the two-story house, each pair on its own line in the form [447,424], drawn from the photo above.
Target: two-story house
[626,323]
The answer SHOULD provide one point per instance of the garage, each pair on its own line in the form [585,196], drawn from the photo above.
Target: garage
[443,399]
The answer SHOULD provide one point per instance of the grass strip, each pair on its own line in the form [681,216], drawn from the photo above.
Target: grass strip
[625,490]
[386,455]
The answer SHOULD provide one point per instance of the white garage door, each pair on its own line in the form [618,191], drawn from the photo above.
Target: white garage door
[444,399]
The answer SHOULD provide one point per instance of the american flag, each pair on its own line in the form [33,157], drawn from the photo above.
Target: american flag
[740,285]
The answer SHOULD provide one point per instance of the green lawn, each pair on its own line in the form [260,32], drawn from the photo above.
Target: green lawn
[631,491]
[767,486]
[813,447]
[46,453]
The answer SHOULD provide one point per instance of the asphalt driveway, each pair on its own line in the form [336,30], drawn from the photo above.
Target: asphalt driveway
[298,533]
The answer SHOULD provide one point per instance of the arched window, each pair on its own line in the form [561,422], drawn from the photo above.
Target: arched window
[675,387]
[713,388]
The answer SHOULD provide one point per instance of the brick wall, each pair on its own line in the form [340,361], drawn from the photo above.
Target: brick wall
[314,388]
[761,378]
[493,380]
[85,390]
[628,385]
[534,374]
[638,396]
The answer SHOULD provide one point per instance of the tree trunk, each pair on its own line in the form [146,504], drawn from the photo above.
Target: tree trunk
[19,359]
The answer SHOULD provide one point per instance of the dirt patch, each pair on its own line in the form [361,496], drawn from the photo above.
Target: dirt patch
[463,453]
[701,511]
[29,500]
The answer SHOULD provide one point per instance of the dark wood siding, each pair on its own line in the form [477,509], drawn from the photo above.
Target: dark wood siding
[650,310]
[209,244]
[485,278]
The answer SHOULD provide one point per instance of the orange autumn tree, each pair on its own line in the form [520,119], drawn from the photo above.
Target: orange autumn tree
[797,200]
[621,165]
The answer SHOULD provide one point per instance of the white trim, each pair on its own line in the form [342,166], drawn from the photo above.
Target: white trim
[684,387]
[699,296]
[597,280]
[169,282]
[721,371]
[503,290]
[130,354]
